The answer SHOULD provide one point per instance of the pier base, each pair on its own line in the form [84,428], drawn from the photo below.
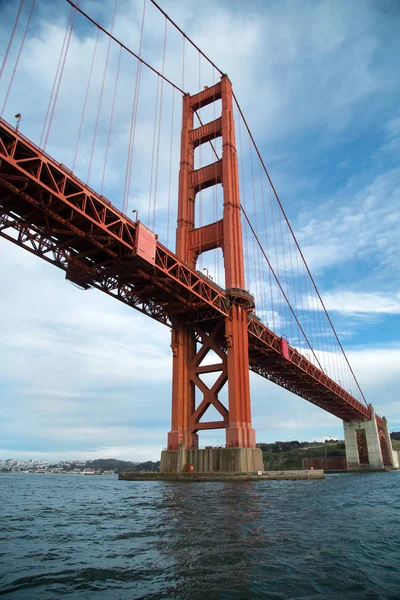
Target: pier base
[212,460]
[220,476]
[367,447]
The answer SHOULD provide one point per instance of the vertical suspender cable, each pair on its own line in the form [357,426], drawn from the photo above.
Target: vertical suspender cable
[11,37]
[152,154]
[275,246]
[170,165]
[279,285]
[18,57]
[56,76]
[199,195]
[267,245]
[215,198]
[246,262]
[101,95]
[183,64]
[86,98]
[293,280]
[135,112]
[111,120]
[303,296]
[300,251]
[256,259]
[59,80]
[159,128]
[316,290]
[185,37]
[128,50]
[132,132]
[285,315]
[285,271]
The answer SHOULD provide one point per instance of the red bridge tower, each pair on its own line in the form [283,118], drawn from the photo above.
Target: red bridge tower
[227,337]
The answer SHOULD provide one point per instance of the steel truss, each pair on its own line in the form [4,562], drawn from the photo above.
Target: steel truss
[47,210]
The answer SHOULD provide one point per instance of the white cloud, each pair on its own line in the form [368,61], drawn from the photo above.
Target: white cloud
[351,226]
[80,369]
[68,402]
[353,303]
[393,127]
[378,370]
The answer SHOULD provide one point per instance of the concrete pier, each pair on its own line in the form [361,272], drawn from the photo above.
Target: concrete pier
[212,460]
[366,447]
[221,476]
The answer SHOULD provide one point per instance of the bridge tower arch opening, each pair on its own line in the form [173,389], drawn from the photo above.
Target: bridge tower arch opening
[227,337]
[386,453]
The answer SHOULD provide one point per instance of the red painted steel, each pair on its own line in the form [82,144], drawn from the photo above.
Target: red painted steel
[50,212]
[299,375]
[229,337]
[328,463]
[47,210]
[145,244]
[285,349]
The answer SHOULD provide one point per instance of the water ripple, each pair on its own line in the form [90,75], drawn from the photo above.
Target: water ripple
[84,538]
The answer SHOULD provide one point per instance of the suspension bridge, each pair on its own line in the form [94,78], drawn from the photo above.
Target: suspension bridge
[236,290]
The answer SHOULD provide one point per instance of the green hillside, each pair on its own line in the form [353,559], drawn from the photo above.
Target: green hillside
[289,455]
[396,444]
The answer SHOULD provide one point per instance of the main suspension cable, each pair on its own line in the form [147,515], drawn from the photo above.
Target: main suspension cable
[257,151]
[297,244]
[117,41]
[280,286]
[185,36]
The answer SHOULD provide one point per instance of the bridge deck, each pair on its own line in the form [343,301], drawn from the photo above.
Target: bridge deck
[48,211]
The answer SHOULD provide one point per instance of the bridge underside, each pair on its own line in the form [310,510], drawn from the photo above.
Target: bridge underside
[45,209]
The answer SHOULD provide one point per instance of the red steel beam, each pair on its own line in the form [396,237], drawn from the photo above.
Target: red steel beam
[67,209]
[299,375]
[48,211]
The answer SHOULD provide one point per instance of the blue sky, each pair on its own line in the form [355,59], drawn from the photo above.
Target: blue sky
[317,82]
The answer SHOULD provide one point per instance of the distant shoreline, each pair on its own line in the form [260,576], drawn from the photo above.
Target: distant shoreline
[50,473]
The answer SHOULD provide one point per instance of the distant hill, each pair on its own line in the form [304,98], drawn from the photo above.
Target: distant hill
[395,436]
[276,456]
[112,464]
[289,455]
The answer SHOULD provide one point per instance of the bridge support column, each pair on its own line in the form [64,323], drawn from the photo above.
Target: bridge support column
[239,433]
[226,336]
[183,344]
[368,444]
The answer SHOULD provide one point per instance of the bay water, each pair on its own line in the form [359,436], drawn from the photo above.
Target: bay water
[74,536]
